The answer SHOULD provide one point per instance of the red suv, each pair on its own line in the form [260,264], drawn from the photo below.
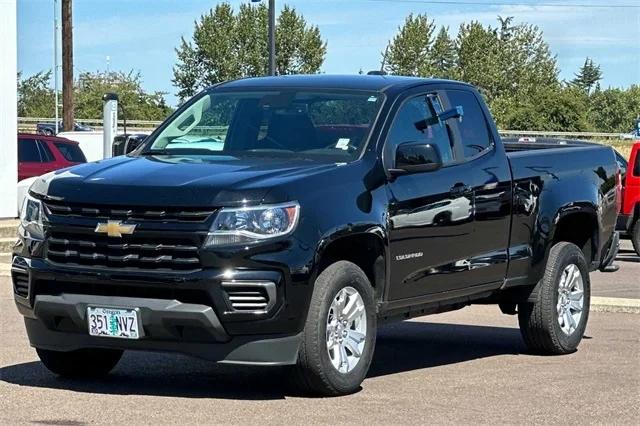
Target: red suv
[629,218]
[38,154]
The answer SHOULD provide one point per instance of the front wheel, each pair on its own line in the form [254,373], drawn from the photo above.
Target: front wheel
[340,332]
[556,321]
[81,362]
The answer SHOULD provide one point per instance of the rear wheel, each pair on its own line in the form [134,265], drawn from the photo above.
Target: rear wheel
[339,334]
[635,236]
[81,362]
[555,322]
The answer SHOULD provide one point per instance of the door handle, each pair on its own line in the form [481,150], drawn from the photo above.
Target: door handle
[460,189]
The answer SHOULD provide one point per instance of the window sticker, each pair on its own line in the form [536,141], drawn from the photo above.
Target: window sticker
[343,143]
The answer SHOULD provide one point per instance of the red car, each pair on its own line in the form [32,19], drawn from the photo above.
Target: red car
[629,218]
[39,154]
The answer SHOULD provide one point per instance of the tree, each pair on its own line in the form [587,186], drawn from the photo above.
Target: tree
[588,76]
[35,96]
[409,51]
[443,55]
[613,109]
[136,102]
[509,63]
[549,109]
[227,46]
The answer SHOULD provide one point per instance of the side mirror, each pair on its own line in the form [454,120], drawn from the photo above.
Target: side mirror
[416,157]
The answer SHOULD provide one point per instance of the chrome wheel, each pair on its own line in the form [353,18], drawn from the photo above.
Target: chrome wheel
[346,329]
[570,299]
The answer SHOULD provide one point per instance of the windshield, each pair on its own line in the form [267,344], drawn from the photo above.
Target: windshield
[317,125]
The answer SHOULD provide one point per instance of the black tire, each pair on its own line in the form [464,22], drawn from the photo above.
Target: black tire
[635,236]
[81,362]
[314,372]
[538,321]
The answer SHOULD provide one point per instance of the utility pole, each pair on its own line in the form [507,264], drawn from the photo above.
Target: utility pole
[67,66]
[271,31]
[55,62]
[272,37]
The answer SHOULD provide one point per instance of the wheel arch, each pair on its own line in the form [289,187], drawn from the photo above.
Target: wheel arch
[365,248]
[578,225]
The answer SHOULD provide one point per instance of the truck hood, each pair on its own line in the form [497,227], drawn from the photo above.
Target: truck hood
[191,181]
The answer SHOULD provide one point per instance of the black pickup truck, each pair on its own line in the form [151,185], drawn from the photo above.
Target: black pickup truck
[280,220]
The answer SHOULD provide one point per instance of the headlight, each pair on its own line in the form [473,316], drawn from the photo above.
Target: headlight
[31,217]
[248,224]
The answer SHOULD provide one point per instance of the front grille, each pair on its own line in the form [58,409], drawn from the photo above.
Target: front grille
[193,215]
[249,296]
[130,251]
[20,282]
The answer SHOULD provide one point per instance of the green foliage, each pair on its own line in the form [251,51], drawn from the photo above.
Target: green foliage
[227,46]
[137,104]
[444,55]
[36,97]
[409,51]
[588,76]
[614,110]
[548,109]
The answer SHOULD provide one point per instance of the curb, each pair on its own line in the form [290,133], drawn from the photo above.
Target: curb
[615,304]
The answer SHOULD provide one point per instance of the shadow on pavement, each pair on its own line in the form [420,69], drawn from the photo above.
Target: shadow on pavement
[400,347]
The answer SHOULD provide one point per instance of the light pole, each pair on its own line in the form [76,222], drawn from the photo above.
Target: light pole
[271,35]
[55,60]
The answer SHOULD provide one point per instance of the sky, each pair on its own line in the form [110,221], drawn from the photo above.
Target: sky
[141,35]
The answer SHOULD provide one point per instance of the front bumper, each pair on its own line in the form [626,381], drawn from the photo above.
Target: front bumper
[185,313]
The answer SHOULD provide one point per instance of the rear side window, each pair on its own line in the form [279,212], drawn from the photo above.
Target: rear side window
[473,126]
[636,167]
[45,152]
[415,123]
[71,152]
[28,151]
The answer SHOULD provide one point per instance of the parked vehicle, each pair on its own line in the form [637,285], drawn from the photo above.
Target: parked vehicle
[280,220]
[629,218]
[38,154]
[49,129]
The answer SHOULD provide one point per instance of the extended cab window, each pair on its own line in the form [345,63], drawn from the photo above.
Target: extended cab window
[415,123]
[28,151]
[315,125]
[473,125]
[71,152]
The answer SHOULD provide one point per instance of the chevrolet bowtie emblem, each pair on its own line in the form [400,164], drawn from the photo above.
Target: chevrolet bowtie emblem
[114,228]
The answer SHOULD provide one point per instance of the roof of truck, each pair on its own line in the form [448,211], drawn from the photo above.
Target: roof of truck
[331,81]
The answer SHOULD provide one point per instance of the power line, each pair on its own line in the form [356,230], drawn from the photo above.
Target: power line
[491,3]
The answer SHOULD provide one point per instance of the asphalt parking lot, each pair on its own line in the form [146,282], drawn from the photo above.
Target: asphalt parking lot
[467,366]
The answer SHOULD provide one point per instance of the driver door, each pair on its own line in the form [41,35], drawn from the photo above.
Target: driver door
[431,214]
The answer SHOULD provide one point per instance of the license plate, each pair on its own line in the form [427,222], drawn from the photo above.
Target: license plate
[111,322]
